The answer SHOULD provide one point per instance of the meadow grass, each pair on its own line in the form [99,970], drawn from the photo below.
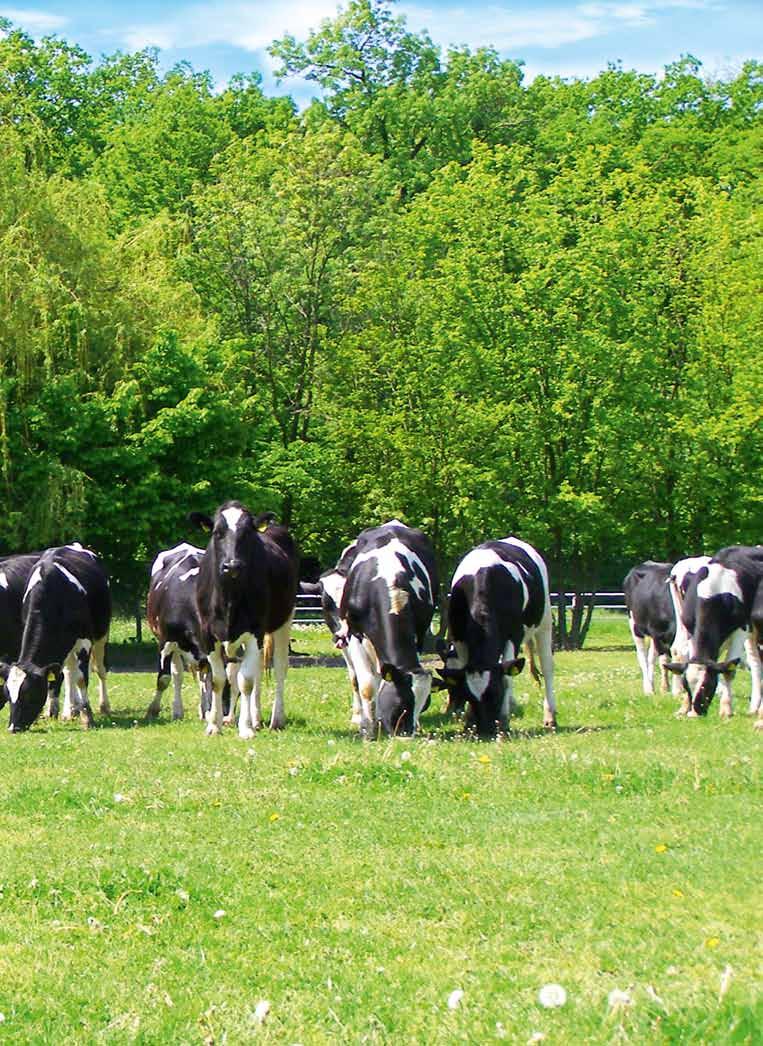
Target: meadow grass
[363,882]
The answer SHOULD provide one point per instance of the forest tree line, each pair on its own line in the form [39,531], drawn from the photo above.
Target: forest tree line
[439,292]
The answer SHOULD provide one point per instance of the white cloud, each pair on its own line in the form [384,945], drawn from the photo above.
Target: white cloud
[34,21]
[250,26]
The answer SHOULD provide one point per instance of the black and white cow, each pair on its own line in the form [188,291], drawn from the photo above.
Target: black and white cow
[66,608]
[723,614]
[246,589]
[499,600]
[386,603]
[15,572]
[173,617]
[651,617]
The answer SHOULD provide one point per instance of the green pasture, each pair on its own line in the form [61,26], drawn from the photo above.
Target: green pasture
[156,885]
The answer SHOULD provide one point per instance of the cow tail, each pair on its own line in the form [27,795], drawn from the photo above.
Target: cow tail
[267,652]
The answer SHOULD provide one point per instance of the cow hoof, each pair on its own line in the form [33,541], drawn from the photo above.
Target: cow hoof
[212,730]
[548,724]
[355,720]
[52,713]
[228,720]
[104,709]
[152,712]
[277,724]
[86,719]
[246,733]
[758,725]
[66,717]
[691,714]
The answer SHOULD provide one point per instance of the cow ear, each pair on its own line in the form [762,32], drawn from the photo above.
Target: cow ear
[263,521]
[676,666]
[4,671]
[513,668]
[198,519]
[52,672]
[728,668]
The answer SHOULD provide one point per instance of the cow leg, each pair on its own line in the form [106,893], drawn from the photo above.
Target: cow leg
[734,649]
[280,668]
[52,709]
[162,682]
[98,660]
[544,642]
[176,670]
[69,667]
[664,683]
[78,678]
[368,684]
[641,654]
[753,660]
[355,716]
[215,710]
[231,673]
[249,681]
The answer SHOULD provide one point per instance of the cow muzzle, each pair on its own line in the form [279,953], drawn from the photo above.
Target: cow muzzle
[231,569]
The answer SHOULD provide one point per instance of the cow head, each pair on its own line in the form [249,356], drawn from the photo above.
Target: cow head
[232,534]
[700,680]
[399,694]
[480,692]
[26,687]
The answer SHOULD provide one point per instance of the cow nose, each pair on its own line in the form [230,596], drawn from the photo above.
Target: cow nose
[231,567]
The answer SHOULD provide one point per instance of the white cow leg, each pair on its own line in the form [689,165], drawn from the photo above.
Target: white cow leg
[725,701]
[69,668]
[248,678]
[642,657]
[98,662]
[422,688]
[80,689]
[280,668]
[355,714]
[753,660]
[231,674]
[506,703]
[215,710]
[368,684]
[176,671]
[543,641]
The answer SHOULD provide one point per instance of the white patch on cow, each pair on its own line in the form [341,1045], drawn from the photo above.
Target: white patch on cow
[687,566]
[232,517]
[388,566]
[333,586]
[478,683]
[16,678]
[720,581]
[484,558]
[3,579]
[184,548]
[534,555]
[77,547]
[393,523]
[70,577]
[398,600]
[33,580]
[189,573]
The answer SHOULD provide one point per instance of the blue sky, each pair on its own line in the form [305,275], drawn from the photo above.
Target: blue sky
[553,36]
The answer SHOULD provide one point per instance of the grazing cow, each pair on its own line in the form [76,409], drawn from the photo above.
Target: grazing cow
[386,603]
[499,600]
[246,589]
[723,614]
[330,588]
[66,608]
[682,575]
[15,572]
[173,617]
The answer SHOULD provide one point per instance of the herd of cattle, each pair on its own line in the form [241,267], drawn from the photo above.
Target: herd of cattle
[225,611]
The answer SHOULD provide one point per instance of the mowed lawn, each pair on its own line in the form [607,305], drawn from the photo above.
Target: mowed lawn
[157,885]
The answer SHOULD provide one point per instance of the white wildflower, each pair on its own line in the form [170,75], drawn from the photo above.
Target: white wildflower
[454,999]
[552,995]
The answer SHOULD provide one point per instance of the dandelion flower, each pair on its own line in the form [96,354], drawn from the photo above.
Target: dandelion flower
[552,995]
[454,999]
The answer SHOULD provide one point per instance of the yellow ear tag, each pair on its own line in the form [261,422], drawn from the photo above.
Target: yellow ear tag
[51,677]
[262,527]
[388,676]
[514,670]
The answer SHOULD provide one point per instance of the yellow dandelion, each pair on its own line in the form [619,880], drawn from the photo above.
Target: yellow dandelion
[712,942]
[678,893]
[661,848]
[484,759]
[274,818]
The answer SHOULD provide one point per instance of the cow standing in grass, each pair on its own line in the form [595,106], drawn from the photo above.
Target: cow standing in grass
[246,590]
[499,600]
[173,617]
[386,603]
[651,618]
[723,614]
[66,608]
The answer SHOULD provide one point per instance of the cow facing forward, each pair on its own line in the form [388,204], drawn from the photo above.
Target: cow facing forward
[499,600]
[723,614]
[66,609]
[246,589]
[387,600]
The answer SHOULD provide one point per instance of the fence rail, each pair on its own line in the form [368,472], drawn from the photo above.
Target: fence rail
[309,606]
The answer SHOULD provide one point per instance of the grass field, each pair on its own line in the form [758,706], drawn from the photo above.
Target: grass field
[157,885]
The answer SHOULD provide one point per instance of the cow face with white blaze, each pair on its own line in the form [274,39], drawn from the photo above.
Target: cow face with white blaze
[400,694]
[232,534]
[482,693]
[26,688]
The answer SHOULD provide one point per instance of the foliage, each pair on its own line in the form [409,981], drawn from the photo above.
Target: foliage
[437,293]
